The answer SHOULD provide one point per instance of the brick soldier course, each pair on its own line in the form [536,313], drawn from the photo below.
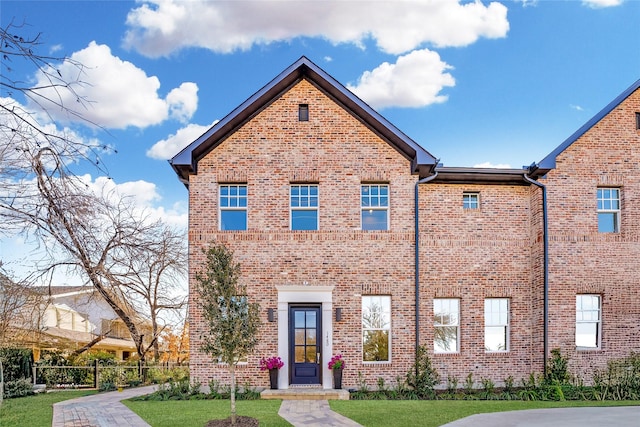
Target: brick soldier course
[495,251]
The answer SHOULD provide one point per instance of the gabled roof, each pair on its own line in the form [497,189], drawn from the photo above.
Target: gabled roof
[549,162]
[186,161]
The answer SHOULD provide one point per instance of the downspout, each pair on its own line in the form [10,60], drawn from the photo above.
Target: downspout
[417,260]
[545,330]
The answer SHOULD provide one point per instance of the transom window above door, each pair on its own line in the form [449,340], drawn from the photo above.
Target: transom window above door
[303,203]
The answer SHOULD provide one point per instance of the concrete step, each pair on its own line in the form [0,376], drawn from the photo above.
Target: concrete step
[305,394]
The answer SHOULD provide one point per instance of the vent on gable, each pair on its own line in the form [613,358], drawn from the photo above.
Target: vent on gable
[303,112]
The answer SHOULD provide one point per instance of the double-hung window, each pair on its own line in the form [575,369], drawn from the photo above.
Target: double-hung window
[446,313]
[376,328]
[496,324]
[304,207]
[588,321]
[374,202]
[233,207]
[608,210]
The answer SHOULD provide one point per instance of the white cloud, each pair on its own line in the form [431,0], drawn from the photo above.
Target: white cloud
[415,80]
[183,101]
[159,27]
[576,107]
[489,165]
[116,93]
[167,148]
[598,4]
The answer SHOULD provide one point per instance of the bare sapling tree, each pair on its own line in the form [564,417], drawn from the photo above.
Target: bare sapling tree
[232,322]
[153,277]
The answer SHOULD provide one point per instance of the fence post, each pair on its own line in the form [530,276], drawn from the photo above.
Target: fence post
[95,374]
[34,368]
[1,383]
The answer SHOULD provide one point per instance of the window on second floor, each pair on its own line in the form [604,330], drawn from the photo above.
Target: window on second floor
[303,202]
[233,207]
[608,210]
[374,202]
[471,200]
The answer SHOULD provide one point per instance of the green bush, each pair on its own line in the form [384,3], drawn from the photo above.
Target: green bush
[18,388]
[423,378]
[16,363]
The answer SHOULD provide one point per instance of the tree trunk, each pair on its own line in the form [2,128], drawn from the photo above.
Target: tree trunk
[232,371]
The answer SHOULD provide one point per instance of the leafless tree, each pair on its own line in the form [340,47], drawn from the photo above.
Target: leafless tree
[154,273]
[90,233]
[21,310]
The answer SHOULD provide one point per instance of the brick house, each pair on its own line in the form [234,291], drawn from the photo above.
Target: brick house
[316,194]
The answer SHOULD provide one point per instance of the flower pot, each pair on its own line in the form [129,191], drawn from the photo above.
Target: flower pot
[337,378]
[273,379]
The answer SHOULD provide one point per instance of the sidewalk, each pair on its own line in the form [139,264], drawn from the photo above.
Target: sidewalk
[100,410]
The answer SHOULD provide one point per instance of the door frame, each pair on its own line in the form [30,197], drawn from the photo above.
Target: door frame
[301,295]
[318,308]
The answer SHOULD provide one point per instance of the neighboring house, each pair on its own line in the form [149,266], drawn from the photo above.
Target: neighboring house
[74,316]
[316,194]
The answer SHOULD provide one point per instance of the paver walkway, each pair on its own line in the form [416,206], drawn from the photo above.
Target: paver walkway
[316,413]
[100,410]
[106,410]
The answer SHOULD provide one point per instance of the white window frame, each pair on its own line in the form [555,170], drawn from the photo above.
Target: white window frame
[444,307]
[308,197]
[378,206]
[238,197]
[586,314]
[496,315]
[384,302]
[609,204]
[470,200]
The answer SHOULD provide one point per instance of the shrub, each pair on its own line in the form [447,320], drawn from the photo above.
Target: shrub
[18,388]
[423,377]
[557,369]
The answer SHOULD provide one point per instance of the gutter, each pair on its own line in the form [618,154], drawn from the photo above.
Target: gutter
[545,269]
[417,259]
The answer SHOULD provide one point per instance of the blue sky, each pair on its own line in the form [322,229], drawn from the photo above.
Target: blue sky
[475,83]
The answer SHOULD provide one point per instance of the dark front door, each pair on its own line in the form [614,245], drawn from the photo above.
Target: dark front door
[305,344]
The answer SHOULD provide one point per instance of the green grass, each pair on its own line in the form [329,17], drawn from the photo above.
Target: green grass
[195,413]
[35,411]
[188,413]
[432,413]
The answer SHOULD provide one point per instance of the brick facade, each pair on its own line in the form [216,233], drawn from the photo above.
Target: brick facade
[496,251]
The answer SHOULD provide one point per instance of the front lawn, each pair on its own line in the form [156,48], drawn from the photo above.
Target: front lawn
[432,413]
[36,410]
[195,413]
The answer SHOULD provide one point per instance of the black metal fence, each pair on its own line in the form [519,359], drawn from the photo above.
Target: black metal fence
[107,376]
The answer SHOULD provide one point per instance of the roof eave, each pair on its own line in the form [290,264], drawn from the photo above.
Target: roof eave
[493,176]
[185,162]
[549,162]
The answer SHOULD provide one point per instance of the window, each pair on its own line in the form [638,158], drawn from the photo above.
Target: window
[496,324]
[304,207]
[374,200]
[446,325]
[638,121]
[376,328]
[471,200]
[608,210]
[588,321]
[303,112]
[233,207]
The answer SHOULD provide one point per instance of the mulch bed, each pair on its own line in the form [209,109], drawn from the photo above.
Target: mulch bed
[240,422]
